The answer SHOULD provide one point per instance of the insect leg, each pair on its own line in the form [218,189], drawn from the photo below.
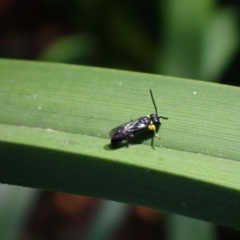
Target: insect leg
[152,140]
[157,136]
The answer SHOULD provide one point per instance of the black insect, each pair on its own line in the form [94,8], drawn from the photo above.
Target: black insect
[137,130]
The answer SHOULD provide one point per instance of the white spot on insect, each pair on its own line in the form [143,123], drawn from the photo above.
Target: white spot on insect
[120,83]
[194,93]
[39,107]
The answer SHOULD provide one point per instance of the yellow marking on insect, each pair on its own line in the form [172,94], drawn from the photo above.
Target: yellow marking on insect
[152,127]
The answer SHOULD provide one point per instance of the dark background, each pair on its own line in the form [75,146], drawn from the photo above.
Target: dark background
[162,37]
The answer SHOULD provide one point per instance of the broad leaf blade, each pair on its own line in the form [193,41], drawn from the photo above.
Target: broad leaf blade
[54,135]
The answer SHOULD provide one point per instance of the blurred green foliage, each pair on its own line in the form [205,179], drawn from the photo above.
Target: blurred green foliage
[191,39]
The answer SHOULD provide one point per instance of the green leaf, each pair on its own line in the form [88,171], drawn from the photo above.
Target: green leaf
[54,126]
[217,49]
[69,49]
[195,44]
[15,214]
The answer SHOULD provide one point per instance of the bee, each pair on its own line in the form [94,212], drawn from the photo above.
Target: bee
[138,130]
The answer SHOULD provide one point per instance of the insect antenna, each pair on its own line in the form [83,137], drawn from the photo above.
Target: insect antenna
[156,106]
[163,117]
[153,102]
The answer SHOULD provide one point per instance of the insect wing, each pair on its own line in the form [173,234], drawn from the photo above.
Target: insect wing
[115,131]
[121,131]
[126,129]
